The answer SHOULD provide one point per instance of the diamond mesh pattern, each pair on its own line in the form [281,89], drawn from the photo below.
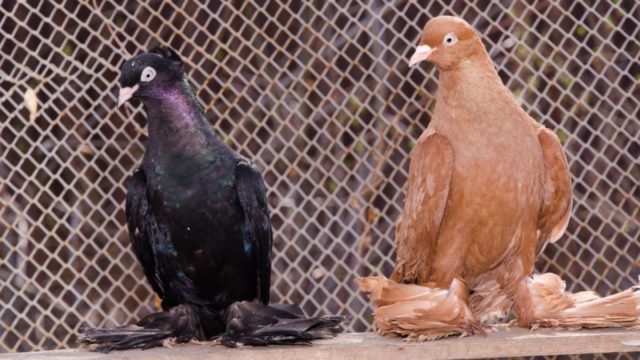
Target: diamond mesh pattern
[320,96]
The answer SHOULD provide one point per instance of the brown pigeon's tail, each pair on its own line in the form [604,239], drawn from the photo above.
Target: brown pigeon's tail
[549,305]
[252,323]
[419,312]
[179,324]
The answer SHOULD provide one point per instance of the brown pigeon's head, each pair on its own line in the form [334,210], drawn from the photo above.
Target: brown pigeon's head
[446,41]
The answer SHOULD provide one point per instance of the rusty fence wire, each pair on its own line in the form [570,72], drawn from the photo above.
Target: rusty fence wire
[320,96]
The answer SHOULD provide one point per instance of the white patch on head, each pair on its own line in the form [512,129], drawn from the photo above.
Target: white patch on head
[148,74]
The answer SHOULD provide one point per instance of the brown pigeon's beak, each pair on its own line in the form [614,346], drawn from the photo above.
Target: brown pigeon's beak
[126,93]
[422,53]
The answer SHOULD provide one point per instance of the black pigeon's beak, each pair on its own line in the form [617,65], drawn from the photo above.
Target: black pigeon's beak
[126,93]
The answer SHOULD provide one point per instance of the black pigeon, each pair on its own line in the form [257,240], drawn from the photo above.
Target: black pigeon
[199,224]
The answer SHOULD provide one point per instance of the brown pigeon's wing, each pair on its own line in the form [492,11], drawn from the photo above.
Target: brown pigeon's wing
[417,230]
[554,215]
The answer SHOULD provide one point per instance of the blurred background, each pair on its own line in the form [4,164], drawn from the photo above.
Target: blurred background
[319,95]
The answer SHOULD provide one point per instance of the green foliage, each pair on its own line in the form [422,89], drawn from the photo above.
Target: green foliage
[330,185]
[355,124]
[562,135]
[566,80]
[68,49]
[221,54]
[354,103]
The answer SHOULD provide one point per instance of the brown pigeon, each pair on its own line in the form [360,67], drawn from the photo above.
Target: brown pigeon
[488,189]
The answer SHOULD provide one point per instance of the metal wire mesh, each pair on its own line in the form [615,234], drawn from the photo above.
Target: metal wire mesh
[320,96]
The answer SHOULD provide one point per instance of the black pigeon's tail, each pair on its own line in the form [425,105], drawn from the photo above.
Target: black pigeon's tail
[250,323]
[179,324]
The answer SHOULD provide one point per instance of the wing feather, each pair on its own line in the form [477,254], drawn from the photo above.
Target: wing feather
[138,221]
[417,230]
[252,194]
[556,209]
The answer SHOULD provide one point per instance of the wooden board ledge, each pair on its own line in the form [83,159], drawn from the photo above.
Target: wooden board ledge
[503,343]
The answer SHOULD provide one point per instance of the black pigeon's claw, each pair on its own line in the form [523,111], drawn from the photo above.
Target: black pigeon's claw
[250,323]
[179,323]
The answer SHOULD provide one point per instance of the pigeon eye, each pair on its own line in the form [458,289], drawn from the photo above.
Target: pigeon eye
[450,39]
[148,74]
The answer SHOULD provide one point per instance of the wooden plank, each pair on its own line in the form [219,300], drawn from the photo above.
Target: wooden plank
[503,343]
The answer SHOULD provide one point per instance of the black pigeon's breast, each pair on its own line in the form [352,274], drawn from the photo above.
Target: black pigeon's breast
[200,207]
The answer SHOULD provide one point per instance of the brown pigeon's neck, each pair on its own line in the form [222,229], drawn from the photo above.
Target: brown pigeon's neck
[464,92]
[471,80]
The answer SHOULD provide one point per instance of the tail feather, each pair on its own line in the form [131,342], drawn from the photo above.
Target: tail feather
[180,324]
[555,307]
[250,323]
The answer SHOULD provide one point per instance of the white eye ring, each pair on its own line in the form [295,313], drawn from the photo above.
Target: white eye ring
[148,74]
[450,39]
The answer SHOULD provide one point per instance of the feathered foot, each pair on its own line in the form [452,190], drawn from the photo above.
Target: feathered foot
[543,302]
[419,312]
[166,328]
[250,323]
[489,303]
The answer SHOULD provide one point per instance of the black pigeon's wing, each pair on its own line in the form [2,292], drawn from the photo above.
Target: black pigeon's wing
[253,199]
[152,244]
[138,221]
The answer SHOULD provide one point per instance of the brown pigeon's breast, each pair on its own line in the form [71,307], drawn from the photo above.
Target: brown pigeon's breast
[493,201]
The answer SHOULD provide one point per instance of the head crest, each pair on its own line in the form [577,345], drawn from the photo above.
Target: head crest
[166,53]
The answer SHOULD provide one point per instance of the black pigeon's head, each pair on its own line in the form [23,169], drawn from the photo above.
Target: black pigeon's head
[148,75]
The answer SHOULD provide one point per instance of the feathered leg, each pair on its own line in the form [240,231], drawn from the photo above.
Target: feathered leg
[419,312]
[177,325]
[252,323]
[542,300]
[489,303]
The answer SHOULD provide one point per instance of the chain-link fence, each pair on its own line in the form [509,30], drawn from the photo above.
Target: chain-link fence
[320,96]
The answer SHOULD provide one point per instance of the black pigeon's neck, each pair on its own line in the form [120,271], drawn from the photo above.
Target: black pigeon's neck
[177,123]
[176,109]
